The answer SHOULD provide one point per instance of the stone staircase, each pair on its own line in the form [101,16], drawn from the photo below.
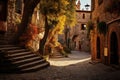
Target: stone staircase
[18,59]
[57,54]
[8,38]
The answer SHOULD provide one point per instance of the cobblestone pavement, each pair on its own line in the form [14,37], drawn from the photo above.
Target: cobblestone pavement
[76,67]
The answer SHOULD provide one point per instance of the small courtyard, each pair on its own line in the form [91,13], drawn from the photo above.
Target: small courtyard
[59,40]
[77,66]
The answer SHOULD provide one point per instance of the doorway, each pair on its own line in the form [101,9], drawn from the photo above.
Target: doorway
[3,10]
[114,58]
[98,48]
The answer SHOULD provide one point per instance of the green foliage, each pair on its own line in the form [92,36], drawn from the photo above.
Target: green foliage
[64,53]
[102,27]
[71,13]
[59,13]
[52,6]
[55,8]
[67,50]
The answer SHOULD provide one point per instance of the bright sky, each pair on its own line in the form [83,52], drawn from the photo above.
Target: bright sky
[84,2]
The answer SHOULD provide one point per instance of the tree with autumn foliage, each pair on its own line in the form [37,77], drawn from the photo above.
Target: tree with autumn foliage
[29,6]
[57,14]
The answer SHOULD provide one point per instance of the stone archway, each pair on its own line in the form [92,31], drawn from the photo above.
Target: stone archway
[98,56]
[114,58]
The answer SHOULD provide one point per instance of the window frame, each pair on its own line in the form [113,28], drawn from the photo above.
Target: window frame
[83,16]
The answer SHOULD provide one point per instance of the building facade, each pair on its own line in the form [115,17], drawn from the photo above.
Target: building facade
[8,16]
[105,47]
[78,33]
[11,12]
[76,37]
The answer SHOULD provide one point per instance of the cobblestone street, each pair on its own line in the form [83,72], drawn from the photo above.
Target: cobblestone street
[76,67]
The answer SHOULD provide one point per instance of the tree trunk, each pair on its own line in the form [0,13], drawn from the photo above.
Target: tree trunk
[66,38]
[26,17]
[43,41]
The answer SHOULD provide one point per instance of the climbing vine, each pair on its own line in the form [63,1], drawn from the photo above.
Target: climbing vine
[102,27]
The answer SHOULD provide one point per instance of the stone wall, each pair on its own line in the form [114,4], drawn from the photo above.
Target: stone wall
[100,14]
[11,14]
[81,42]
[10,19]
[114,27]
[12,23]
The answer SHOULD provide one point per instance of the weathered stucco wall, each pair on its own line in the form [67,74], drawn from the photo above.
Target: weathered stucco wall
[100,14]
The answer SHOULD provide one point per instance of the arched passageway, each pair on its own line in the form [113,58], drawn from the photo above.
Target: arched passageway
[98,48]
[114,58]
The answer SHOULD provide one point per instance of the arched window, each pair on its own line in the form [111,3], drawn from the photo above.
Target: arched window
[83,27]
[83,16]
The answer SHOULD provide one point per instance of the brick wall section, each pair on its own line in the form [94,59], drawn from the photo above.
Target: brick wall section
[8,37]
[99,14]
[11,21]
[114,27]
[82,40]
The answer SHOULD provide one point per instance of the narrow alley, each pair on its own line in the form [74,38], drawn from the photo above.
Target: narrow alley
[77,66]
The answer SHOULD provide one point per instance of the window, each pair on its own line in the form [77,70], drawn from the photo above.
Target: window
[18,6]
[83,16]
[83,27]
[100,2]
[97,21]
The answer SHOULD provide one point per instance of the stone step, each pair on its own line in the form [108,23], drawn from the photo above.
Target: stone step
[57,55]
[6,39]
[17,50]
[26,60]
[3,42]
[19,54]
[1,46]
[10,33]
[22,57]
[9,48]
[37,67]
[31,64]
[1,39]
